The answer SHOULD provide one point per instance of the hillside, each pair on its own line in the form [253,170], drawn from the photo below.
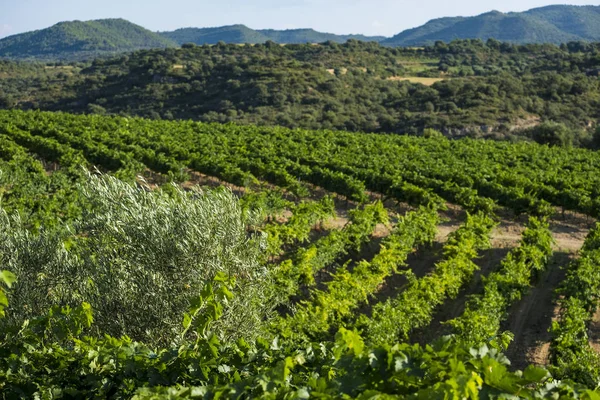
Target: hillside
[227,34]
[552,24]
[581,21]
[466,88]
[415,35]
[242,34]
[79,40]
[312,36]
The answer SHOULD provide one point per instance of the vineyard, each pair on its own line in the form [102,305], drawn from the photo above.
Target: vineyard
[160,260]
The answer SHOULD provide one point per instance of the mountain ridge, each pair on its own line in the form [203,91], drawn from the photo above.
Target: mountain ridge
[550,24]
[241,34]
[71,39]
[81,40]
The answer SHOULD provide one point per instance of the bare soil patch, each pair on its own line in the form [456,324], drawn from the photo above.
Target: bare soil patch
[530,319]
[416,79]
[594,331]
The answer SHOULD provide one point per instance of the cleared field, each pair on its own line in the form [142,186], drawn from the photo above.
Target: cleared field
[416,79]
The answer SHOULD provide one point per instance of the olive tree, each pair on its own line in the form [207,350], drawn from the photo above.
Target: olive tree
[139,257]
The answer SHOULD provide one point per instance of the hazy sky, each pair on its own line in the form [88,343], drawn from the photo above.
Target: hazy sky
[372,17]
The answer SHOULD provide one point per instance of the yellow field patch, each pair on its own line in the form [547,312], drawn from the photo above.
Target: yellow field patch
[416,79]
[344,71]
[58,67]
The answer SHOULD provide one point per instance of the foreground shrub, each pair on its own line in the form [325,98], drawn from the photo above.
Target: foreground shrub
[138,258]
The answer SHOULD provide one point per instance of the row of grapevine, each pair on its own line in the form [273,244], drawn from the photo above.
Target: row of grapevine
[326,309]
[26,188]
[414,307]
[100,154]
[46,148]
[307,261]
[297,229]
[571,353]
[264,206]
[523,177]
[53,357]
[480,322]
[310,352]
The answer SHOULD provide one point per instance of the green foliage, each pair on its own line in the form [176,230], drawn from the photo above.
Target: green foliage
[304,216]
[243,299]
[327,309]
[241,34]
[269,204]
[432,134]
[208,307]
[480,322]
[7,278]
[307,261]
[57,342]
[552,24]
[27,189]
[119,368]
[474,174]
[79,40]
[414,307]
[138,258]
[571,354]
[480,89]
[552,134]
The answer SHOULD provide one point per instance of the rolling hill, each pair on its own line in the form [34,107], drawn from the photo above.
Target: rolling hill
[79,40]
[551,24]
[243,34]
[227,34]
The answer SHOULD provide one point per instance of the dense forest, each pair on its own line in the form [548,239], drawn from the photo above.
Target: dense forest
[85,40]
[546,93]
[80,40]
[241,34]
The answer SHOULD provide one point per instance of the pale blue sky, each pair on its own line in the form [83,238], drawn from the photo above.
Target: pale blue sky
[371,17]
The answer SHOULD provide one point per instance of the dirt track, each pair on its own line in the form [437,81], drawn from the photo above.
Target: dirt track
[530,319]
[594,331]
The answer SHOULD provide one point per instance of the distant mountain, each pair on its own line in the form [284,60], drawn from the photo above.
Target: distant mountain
[312,36]
[583,21]
[243,34]
[227,34]
[79,40]
[551,24]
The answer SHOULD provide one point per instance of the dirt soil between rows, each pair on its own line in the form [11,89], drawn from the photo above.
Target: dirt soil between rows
[530,318]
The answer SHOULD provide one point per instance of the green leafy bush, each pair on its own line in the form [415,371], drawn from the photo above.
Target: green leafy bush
[138,257]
